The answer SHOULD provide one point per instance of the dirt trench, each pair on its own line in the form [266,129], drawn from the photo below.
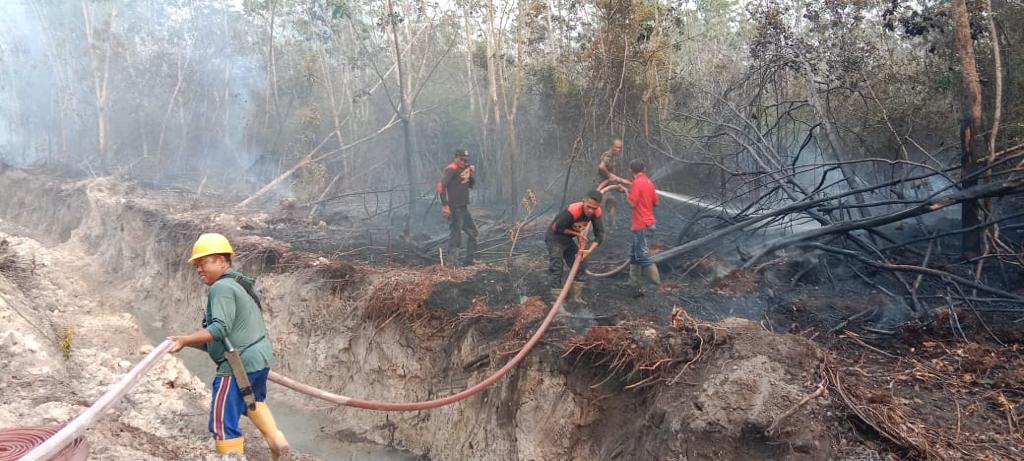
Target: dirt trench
[380,333]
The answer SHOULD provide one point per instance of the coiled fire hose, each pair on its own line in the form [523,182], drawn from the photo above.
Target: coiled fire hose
[17,441]
[54,447]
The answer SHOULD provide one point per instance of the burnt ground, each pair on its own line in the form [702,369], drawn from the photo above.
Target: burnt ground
[488,286]
[915,385]
[929,383]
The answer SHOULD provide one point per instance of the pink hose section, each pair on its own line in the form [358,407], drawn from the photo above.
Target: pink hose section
[53,447]
[603,188]
[428,404]
[416,406]
[72,432]
[610,273]
[16,442]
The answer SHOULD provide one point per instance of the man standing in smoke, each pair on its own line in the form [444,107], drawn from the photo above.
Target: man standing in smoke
[453,188]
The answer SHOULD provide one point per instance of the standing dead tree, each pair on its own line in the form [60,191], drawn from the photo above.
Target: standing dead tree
[970,123]
[99,61]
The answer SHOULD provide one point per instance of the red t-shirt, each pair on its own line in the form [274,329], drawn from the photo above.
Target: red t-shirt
[644,199]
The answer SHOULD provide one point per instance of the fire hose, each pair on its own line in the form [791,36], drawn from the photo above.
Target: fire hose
[17,441]
[424,405]
[672,196]
[54,447]
[435,403]
[72,433]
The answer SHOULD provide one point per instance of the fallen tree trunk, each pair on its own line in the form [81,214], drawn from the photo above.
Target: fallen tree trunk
[919,270]
[716,236]
[993,189]
[310,157]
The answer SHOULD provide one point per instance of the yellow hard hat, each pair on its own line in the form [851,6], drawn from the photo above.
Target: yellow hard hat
[210,244]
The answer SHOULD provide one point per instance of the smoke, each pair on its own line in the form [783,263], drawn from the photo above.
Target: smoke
[24,82]
[172,86]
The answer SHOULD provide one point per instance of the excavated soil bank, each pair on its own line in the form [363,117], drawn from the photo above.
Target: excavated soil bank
[407,334]
[658,385]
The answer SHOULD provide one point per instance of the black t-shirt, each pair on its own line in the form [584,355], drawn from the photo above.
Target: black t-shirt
[574,217]
[454,190]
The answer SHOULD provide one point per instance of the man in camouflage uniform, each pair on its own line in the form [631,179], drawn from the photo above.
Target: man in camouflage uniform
[606,176]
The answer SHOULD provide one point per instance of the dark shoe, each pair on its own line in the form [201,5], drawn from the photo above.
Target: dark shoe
[638,293]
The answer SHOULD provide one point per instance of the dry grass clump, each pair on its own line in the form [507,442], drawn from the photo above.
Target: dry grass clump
[703,337]
[526,315]
[530,312]
[644,354]
[478,308]
[403,294]
[630,350]
[266,254]
[12,266]
[65,341]
[399,295]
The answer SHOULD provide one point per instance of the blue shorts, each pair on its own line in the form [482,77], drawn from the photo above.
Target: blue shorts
[228,406]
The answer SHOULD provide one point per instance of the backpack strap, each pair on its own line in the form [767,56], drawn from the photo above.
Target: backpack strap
[246,285]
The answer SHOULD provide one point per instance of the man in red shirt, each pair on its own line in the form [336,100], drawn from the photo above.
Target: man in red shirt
[642,199]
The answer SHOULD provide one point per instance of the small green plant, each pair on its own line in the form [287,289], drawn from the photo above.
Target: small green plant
[65,339]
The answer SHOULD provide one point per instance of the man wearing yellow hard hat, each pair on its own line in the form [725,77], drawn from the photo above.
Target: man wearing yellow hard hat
[235,336]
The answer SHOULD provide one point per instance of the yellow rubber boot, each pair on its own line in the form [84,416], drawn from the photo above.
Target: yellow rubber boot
[577,293]
[264,421]
[235,445]
[652,274]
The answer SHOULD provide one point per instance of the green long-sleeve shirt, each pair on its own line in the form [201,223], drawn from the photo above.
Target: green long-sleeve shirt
[232,313]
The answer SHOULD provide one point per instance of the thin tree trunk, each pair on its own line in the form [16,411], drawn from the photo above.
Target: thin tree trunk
[63,98]
[336,120]
[997,56]
[476,100]
[838,150]
[491,42]
[272,101]
[970,124]
[405,114]
[511,110]
[174,95]
[100,77]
